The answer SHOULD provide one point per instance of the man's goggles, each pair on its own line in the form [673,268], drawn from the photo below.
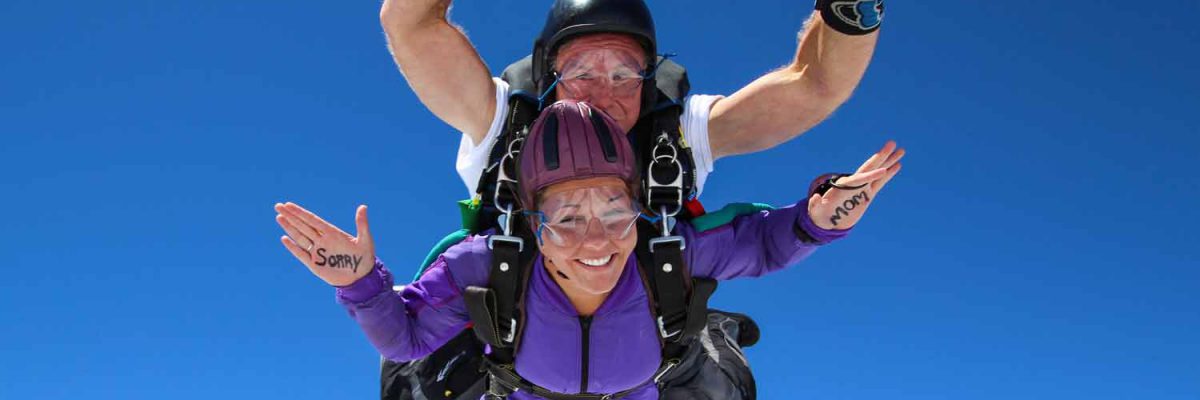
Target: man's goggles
[593,71]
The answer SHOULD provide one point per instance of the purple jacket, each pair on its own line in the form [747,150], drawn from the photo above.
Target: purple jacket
[624,351]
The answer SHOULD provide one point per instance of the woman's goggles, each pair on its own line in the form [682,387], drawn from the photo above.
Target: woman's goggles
[569,218]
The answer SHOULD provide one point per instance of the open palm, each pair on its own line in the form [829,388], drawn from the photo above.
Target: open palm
[842,206]
[330,253]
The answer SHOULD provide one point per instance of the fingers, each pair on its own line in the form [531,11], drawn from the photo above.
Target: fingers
[298,252]
[294,233]
[893,159]
[364,229]
[878,158]
[301,217]
[813,201]
[877,186]
[301,228]
[861,178]
[317,223]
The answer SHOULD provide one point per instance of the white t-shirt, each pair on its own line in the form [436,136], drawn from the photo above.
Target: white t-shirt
[473,159]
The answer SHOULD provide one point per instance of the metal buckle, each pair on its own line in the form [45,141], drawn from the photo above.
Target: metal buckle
[662,330]
[670,158]
[512,331]
[505,238]
[502,178]
[671,364]
[668,239]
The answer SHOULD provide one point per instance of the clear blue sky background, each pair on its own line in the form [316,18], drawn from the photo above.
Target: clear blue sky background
[1040,243]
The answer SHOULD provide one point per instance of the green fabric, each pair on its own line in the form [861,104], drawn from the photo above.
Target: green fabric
[469,211]
[445,243]
[726,215]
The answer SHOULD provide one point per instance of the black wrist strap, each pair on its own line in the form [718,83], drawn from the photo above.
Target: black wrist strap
[826,182]
[852,17]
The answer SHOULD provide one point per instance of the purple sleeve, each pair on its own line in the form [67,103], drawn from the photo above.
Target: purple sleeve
[424,314]
[755,244]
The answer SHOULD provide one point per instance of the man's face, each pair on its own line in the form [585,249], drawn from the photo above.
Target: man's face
[604,70]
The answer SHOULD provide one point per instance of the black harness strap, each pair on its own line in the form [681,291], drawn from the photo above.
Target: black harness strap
[670,282]
[497,310]
[522,112]
[679,301]
[505,381]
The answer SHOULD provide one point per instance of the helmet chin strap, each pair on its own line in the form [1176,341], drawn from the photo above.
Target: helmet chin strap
[558,271]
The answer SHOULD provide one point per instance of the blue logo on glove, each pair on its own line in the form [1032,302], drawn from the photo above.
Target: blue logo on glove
[864,14]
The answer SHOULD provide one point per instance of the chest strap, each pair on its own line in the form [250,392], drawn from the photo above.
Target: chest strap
[505,381]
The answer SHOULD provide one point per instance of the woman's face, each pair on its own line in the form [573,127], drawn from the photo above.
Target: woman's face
[587,233]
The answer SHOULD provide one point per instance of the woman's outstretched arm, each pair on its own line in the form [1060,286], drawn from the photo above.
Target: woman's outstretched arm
[769,240]
[402,325]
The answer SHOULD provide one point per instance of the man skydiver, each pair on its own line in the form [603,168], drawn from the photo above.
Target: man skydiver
[610,42]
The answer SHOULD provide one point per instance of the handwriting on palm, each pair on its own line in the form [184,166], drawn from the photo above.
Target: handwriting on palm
[843,208]
[330,253]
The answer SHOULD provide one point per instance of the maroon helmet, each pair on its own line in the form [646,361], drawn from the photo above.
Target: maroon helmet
[572,140]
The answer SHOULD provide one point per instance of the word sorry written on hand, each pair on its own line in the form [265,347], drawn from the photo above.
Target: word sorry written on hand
[339,260]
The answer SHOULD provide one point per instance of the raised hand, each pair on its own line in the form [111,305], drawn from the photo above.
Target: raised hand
[842,206]
[330,253]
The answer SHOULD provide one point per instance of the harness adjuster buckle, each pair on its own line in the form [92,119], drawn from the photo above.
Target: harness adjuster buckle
[667,158]
[662,329]
[491,242]
[671,364]
[668,239]
[512,331]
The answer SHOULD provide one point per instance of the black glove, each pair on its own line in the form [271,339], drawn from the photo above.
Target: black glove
[852,17]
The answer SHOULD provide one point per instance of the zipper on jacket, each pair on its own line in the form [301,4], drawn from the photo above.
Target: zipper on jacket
[586,324]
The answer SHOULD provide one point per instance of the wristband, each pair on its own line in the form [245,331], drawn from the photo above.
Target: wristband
[825,182]
[851,17]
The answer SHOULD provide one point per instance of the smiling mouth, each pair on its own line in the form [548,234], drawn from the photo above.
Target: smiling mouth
[595,262]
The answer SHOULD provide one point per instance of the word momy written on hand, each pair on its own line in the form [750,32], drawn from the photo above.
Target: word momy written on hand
[339,260]
[847,206]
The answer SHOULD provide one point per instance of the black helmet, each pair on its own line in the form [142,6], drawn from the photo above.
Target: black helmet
[569,18]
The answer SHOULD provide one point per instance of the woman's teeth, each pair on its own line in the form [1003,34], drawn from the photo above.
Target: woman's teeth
[596,262]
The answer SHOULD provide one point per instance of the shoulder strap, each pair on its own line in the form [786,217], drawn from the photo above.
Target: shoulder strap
[679,301]
[497,311]
[668,169]
[672,81]
[521,114]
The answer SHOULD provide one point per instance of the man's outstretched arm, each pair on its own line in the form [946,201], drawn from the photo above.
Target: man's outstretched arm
[440,64]
[787,102]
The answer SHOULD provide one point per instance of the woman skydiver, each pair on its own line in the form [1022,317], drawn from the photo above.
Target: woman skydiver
[584,295]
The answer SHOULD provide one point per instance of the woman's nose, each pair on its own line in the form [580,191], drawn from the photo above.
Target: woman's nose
[595,237]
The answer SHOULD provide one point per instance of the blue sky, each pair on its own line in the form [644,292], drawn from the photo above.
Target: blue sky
[1039,243]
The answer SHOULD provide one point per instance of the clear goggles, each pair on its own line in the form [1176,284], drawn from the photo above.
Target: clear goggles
[595,71]
[569,218]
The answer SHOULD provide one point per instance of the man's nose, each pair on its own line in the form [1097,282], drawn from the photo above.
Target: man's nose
[601,97]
